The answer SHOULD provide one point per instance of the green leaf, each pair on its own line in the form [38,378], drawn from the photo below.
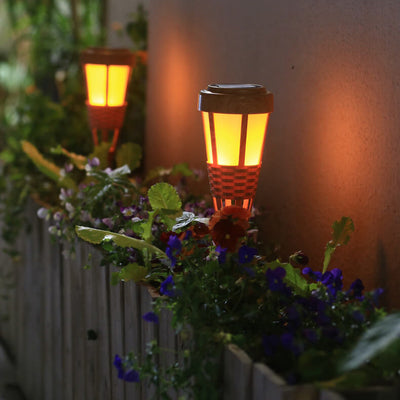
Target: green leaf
[96,236]
[293,276]
[46,167]
[341,235]
[133,272]
[79,160]
[373,341]
[164,196]
[129,154]
[182,168]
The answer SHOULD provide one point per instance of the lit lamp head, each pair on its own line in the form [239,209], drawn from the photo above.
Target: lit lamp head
[235,120]
[107,74]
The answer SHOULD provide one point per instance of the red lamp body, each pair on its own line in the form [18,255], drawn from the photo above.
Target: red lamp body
[235,120]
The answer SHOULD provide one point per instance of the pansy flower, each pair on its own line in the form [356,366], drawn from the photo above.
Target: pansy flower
[167,287]
[228,225]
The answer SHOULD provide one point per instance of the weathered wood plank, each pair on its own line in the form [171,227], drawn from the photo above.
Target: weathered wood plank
[104,336]
[117,336]
[67,326]
[132,332]
[148,334]
[265,381]
[329,395]
[48,366]
[237,374]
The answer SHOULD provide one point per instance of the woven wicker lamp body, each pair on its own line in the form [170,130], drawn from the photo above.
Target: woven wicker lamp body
[107,74]
[235,119]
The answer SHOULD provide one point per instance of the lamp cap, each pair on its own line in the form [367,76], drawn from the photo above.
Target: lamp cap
[236,99]
[108,56]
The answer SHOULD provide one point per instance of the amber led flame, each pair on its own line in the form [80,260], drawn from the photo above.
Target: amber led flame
[235,120]
[107,74]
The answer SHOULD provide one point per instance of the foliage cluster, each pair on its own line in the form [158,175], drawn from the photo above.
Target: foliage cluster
[45,102]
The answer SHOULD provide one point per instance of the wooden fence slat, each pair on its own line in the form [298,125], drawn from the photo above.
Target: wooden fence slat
[56,330]
[149,333]
[78,325]
[132,335]
[237,374]
[48,366]
[266,381]
[67,326]
[105,359]
[90,319]
[168,343]
[117,339]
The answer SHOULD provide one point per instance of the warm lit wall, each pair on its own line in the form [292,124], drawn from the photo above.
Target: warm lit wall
[333,146]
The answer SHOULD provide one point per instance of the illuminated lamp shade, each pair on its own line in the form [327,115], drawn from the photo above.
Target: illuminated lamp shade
[107,75]
[235,120]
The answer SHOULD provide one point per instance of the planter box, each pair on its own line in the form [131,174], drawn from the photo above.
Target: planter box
[65,323]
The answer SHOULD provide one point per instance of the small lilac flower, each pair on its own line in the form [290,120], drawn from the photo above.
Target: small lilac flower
[108,222]
[69,207]
[65,194]
[94,162]
[127,212]
[150,317]
[173,249]
[57,216]
[68,167]
[246,254]
[167,287]
[42,212]
[221,254]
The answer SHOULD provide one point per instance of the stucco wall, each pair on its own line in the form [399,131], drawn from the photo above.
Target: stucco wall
[333,141]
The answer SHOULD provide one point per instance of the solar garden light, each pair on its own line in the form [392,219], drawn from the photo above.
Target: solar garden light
[107,74]
[235,120]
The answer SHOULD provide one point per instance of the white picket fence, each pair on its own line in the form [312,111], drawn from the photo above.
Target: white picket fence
[65,323]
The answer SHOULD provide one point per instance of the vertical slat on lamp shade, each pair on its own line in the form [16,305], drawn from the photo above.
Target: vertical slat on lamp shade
[213,138]
[237,374]
[243,139]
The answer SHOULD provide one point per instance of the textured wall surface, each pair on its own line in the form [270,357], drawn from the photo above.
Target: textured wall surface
[333,141]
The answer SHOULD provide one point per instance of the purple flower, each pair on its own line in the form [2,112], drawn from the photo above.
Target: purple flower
[221,254]
[246,254]
[356,289]
[167,287]
[127,212]
[126,374]
[173,249]
[376,295]
[150,317]
[275,280]
[316,275]
[333,280]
